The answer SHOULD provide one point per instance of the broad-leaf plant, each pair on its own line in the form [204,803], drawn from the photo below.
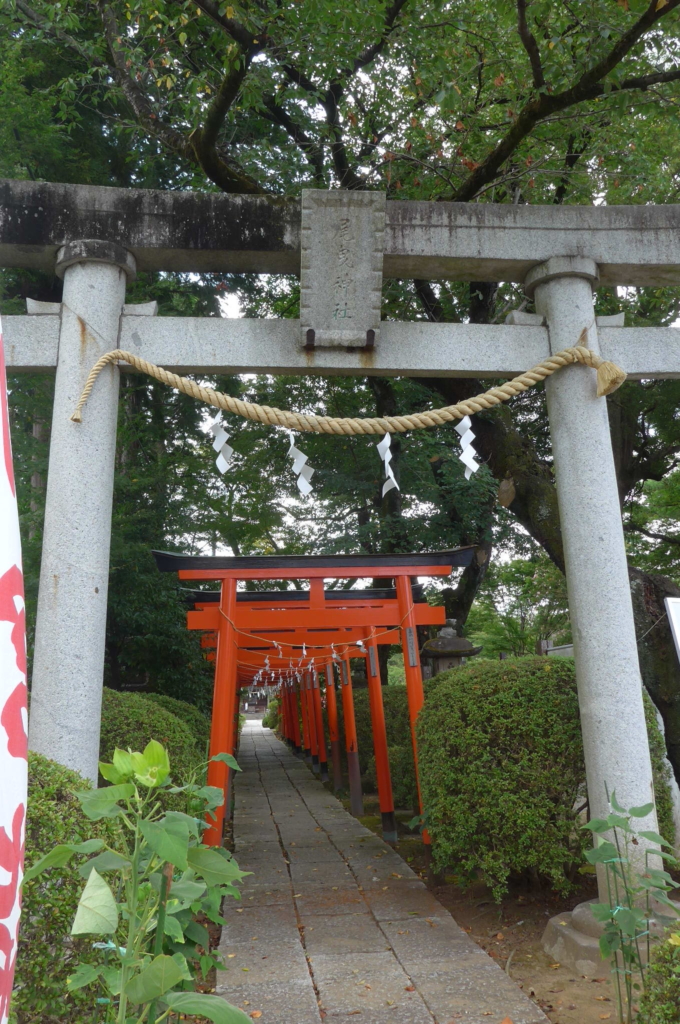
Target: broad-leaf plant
[142,896]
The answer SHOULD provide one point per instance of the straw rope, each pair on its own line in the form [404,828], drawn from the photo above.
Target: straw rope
[609,378]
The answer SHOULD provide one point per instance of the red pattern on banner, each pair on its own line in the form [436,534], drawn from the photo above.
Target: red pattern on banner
[11,858]
[12,721]
[12,587]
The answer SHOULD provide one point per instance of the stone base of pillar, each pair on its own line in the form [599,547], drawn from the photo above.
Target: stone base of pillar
[389,826]
[323,766]
[572,939]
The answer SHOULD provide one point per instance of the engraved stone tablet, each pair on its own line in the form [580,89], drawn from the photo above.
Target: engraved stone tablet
[341,265]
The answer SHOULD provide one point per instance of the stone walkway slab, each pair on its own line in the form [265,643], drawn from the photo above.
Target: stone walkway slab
[333,925]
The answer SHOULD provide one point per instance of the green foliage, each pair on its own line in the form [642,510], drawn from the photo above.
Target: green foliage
[272,716]
[502,769]
[195,720]
[661,771]
[501,764]
[163,876]
[660,1003]
[520,603]
[404,789]
[132,719]
[46,955]
[637,888]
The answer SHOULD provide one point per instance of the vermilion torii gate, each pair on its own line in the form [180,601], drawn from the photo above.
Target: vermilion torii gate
[291,640]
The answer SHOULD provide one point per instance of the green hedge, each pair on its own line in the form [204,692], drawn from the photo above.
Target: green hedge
[660,1003]
[132,719]
[272,716]
[404,789]
[502,768]
[197,722]
[47,955]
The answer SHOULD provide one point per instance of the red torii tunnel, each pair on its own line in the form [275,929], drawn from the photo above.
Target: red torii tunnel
[286,638]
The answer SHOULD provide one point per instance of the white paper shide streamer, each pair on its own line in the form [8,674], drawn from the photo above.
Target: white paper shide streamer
[224,451]
[385,453]
[300,467]
[468,454]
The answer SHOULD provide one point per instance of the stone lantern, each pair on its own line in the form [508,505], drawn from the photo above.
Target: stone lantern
[448,650]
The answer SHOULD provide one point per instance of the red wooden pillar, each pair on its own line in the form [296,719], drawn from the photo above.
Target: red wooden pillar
[306,742]
[311,718]
[295,713]
[333,732]
[382,761]
[221,729]
[318,715]
[356,802]
[414,678]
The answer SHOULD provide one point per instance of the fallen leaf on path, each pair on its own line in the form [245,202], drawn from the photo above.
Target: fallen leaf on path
[553,967]
[409,988]
[255,1013]
[506,1020]
[605,1016]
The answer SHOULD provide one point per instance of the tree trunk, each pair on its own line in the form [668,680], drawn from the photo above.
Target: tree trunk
[658,658]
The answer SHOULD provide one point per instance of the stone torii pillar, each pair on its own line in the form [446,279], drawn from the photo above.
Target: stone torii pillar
[615,743]
[70,630]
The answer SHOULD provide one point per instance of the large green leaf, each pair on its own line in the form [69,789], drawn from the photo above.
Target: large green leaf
[84,974]
[212,1007]
[155,980]
[227,759]
[173,928]
[101,803]
[109,860]
[187,890]
[168,839]
[212,866]
[61,855]
[97,912]
[152,767]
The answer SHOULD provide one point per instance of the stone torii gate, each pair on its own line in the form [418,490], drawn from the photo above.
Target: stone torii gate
[343,244]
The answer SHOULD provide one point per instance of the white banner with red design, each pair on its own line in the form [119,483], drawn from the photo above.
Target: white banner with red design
[13,713]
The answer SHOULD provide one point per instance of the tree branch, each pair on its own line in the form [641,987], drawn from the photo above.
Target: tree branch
[135,96]
[530,44]
[372,51]
[665,537]
[43,23]
[204,140]
[238,32]
[587,87]
[312,150]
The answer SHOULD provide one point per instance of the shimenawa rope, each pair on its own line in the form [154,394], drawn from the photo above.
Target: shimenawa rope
[609,378]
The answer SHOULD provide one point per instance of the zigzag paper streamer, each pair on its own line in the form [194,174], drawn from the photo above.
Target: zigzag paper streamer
[468,454]
[304,472]
[385,453]
[224,450]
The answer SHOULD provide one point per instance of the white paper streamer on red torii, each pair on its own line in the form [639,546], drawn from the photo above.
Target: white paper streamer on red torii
[13,716]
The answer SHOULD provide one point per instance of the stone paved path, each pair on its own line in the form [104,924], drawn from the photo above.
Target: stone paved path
[333,924]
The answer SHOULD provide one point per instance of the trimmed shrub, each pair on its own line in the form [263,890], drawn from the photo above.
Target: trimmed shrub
[662,771]
[502,769]
[47,954]
[272,716]
[402,772]
[197,722]
[660,1003]
[131,720]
